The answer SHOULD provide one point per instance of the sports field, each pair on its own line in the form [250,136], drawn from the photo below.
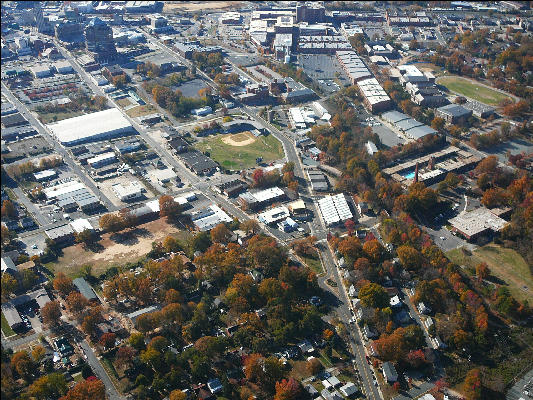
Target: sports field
[240,151]
[468,88]
[503,263]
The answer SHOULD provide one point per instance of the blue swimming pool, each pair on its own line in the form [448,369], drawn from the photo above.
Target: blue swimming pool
[409,175]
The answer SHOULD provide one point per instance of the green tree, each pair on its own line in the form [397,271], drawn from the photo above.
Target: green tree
[374,295]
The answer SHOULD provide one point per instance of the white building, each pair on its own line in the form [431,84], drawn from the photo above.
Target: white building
[202,111]
[63,67]
[274,215]
[125,193]
[41,71]
[334,209]
[81,224]
[96,126]
[162,176]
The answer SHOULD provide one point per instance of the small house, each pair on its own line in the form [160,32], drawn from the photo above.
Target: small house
[389,372]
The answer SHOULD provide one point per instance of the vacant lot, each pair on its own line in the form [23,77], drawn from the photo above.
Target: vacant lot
[229,151]
[6,329]
[473,90]
[141,111]
[48,118]
[505,264]
[116,249]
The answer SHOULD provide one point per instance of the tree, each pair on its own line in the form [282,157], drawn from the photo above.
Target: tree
[177,395]
[38,353]
[350,226]
[9,284]
[409,257]
[107,340]
[250,226]
[86,237]
[373,295]
[76,302]
[51,313]
[288,389]
[136,341]
[22,363]
[125,355]
[63,284]
[168,208]
[314,366]
[8,209]
[49,386]
[258,177]
[86,390]
[438,123]
[111,223]
[482,271]
[220,234]
[373,249]
[91,320]
[472,385]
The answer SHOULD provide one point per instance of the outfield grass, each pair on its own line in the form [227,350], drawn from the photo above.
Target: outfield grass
[503,263]
[472,90]
[242,157]
[6,328]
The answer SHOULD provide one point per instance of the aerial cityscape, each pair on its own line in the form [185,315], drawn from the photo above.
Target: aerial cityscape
[292,200]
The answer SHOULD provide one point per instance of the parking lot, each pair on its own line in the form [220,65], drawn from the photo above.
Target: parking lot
[191,88]
[323,69]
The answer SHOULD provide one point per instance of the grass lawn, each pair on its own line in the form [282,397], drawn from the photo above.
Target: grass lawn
[124,102]
[6,328]
[77,377]
[314,263]
[48,118]
[324,359]
[503,263]
[472,90]
[241,157]
[141,111]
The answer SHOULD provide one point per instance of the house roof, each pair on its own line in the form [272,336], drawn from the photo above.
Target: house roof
[84,288]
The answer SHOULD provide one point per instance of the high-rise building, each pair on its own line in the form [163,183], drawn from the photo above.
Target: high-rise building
[99,40]
[311,13]
[42,23]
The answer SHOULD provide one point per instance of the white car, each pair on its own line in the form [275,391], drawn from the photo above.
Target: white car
[442,238]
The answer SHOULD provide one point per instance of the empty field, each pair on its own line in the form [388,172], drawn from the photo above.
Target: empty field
[141,111]
[475,91]
[503,263]
[241,150]
[130,248]
[48,118]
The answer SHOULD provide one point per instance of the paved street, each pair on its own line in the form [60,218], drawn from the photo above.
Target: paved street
[517,391]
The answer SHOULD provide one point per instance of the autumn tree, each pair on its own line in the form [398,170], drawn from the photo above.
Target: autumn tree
[374,295]
[288,389]
[177,395]
[220,234]
[482,271]
[472,385]
[111,223]
[250,226]
[438,123]
[91,320]
[107,340]
[63,284]
[76,302]
[125,355]
[51,313]
[86,390]
[410,257]
[9,284]
[374,250]
[22,363]
[314,366]
[87,237]
[49,386]
[169,208]
[8,209]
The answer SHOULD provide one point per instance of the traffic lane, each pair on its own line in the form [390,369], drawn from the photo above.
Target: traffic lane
[99,371]
[358,351]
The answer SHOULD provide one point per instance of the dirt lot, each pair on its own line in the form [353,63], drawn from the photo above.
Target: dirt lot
[192,6]
[116,249]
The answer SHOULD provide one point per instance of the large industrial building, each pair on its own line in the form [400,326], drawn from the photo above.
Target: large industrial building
[375,97]
[478,222]
[96,126]
[334,209]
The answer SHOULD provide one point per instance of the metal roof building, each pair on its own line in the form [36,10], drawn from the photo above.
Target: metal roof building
[334,209]
[96,126]
[85,289]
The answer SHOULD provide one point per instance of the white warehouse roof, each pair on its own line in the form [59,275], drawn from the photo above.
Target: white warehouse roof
[98,125]
[334,209]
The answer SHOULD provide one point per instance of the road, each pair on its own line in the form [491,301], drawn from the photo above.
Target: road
[13,344]
[100,372]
